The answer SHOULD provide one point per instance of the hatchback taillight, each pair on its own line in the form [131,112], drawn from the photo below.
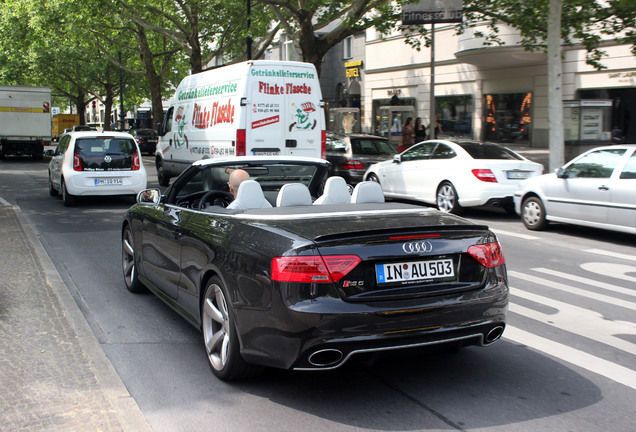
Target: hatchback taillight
[485,175]
[136,162]
[307,269]
[489,254]
[77,162]
[353,164]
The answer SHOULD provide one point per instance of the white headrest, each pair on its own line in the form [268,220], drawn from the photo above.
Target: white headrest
[249,196]
[293,194]
[367,192]
[336,192]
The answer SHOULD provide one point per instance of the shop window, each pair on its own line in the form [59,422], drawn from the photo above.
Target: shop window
[507,117]
[454,114]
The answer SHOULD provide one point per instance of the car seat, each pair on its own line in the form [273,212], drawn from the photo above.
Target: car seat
[249,196]
[293,194]
[336,192]
[367,192]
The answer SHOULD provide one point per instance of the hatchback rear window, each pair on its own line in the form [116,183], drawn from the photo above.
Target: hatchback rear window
[488,151]
[105,153]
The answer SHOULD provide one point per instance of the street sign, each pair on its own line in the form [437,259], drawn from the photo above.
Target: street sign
[432,12]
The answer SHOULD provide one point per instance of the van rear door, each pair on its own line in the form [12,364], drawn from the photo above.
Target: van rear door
[285,117]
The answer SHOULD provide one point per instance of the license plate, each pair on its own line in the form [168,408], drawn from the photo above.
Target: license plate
[265,153]
[518,175]
[108,181]
[414,271]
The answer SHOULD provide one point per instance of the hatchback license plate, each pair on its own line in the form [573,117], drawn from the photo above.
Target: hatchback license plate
[108,181]
[414,271]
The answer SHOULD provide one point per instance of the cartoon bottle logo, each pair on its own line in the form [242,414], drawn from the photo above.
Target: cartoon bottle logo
[179,119]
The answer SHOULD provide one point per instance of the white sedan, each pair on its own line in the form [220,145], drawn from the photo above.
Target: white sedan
[453,175]
[596,189]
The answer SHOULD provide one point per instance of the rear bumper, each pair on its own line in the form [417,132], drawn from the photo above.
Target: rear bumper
[84,185]
[326,332]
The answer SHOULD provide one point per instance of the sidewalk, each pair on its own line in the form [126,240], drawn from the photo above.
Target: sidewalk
[53,373]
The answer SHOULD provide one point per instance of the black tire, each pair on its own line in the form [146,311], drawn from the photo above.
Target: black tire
[373,178]
[164,180]
[67,198]
[220,338]
[52,191]
[131,278]
[447,199]
[533,214]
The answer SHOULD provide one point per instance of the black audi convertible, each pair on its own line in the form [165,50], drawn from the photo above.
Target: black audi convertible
[298,273]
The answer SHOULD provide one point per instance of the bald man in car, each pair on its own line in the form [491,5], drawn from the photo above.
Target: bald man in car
[237,177]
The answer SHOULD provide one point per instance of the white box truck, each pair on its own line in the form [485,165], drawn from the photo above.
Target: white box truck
[25,120]
[258,107]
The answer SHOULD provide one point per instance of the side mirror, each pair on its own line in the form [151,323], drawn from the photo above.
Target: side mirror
[397,158]
[561,173]
[49,152]
[149,196]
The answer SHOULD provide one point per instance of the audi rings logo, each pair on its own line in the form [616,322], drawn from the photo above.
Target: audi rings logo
[417,247]
[108,159]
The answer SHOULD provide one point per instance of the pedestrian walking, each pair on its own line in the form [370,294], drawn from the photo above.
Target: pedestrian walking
[420,130]
[408,135]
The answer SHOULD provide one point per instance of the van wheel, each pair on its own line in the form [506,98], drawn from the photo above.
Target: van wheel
[67,198]
[164,180]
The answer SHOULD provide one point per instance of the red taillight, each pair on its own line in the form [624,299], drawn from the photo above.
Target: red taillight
[323,144]
[308,269]
[136,162]
[485,175]
[139,141]
[353,164]
[489,254]
[77,162]
[240,142]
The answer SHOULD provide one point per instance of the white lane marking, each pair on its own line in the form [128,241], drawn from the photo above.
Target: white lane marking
[611,254]
[618,271]
[576,320]
[573,290]
[4,202]
[596,284]
[514,234]
[612,371]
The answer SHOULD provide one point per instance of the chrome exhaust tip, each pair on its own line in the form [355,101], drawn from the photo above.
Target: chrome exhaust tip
[494,334]
[325,357]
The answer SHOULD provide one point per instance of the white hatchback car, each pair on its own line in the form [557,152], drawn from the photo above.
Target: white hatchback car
[454,174]
[96,163]
[596,189]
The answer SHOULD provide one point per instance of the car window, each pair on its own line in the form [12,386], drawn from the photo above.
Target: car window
[336,145]
[63,145]
[442,151]
[372,147]
[104,145]
[478,150]
[629,171]
[419,151]
[597,164]
[169,120]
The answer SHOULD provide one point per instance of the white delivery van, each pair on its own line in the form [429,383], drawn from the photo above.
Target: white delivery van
[259,107]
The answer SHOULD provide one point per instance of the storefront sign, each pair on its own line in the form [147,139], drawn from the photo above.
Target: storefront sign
[353,68]
[432,11]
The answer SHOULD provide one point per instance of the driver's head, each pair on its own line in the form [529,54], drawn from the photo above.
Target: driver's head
[237,177]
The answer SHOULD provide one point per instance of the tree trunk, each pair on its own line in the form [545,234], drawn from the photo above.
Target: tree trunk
[555,92]
[154,80]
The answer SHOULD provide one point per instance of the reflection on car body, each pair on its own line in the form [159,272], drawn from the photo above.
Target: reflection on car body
[307,286]
[595,189]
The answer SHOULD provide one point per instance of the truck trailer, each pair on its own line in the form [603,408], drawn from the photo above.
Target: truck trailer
[25,120]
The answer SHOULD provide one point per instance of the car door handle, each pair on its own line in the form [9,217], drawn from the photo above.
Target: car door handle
[603,188]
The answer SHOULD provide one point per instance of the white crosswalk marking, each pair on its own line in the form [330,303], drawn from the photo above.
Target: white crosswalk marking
[597,284]
[574,290]
[577,320]
[617,373]
[611,254]
[618,271]
[514,234]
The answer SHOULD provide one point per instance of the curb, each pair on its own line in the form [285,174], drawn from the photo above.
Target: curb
[113,388]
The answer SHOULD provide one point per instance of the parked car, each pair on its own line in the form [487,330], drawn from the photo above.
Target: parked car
[289,284]
[454,174]
[96,163]
[146,140]
[595,189]
[351,154]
